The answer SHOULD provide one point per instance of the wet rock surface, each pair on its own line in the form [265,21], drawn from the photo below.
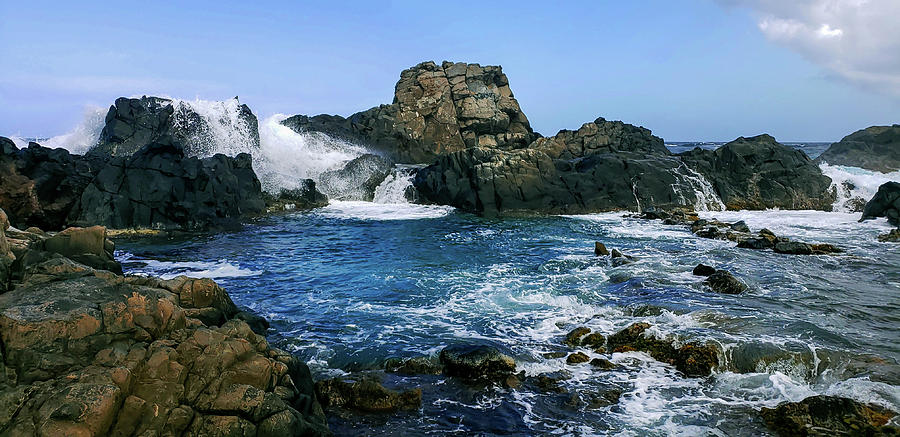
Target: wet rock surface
[90,352]
[691,359]
[477,362]
[724,282]
[828,416]
[357,179]
[874,148]
[885,203]
[305,196]
[366,395]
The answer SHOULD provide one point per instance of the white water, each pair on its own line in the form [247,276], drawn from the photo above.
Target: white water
[360,210]
[393,188]
[864,184]
[78,140]
[707,199]
[222,129]
[221,269]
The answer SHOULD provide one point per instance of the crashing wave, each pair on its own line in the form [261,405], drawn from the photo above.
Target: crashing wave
[855,186]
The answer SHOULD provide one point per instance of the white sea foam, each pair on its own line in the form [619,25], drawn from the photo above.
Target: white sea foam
[84,136]
[198,269]
[358,210]
[394,187]
[855,184]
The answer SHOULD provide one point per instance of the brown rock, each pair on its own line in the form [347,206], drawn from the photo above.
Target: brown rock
[577,358]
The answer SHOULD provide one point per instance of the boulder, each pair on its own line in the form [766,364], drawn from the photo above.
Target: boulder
[437,109]
[577,358]
[600,249]
[6,255]
[477,362]
[40,186]
[160,188]
[874,148]
[305,196]
[793,248]
[828,415]
[414,366]
[725,283]
[88,246]
[691,359]
[885,203]
[88,352]
[603,166]
[703,270]
[365,395]
[357,179]
[132,124]
[759,173]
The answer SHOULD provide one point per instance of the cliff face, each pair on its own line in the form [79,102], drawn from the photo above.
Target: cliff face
[874,148]
[437,109]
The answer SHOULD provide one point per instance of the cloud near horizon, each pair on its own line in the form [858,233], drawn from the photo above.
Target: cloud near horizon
[856,40]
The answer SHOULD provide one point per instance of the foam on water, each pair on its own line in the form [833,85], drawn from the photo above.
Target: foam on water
[360,210]
[221,269]
[395,186]
[854,185]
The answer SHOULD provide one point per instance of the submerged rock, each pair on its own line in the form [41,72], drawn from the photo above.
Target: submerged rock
[365,395]
[885,203]
[414,366]
[828,416]
[691,359]
[760,173]
[577,358]
[573,338]
[891,237]
[874,148]
[725,283]
[477,362]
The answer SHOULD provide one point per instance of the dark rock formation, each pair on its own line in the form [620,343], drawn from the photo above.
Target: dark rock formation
[6,255]
[357,179]
[477,362]
[885,203]
[306,196]
[692,359]
[874,148]
[724,282]
[760,173]
[604,166]
[41,186]
[600,249]
[703,270]
[88,352]
[577,358]
[414,366]
[159,187]
[132,124]
[436,109]
[827,416]
[890,237]
[365,395]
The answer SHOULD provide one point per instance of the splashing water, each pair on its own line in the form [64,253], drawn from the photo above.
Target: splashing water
[707,199]
[396,186]
[855,186]
[215,126]
[80,139]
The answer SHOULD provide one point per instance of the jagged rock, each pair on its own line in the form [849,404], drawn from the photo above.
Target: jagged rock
[573,338]
[89,352]
[160,188]
[885,203]
[305,196]
[760,173]
[41,186]
[691,359]
[477,362]
[357,179]
[132,124]
[725,283]
[414,366]
[874,148]
[600,249]
[604,166]
[793,248]
[365,395]
[703,270]
[437,109]
[826,416]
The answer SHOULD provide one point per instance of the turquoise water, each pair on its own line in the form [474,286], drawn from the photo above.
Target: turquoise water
[351,285]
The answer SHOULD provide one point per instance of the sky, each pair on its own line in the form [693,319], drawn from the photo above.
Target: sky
[801,70]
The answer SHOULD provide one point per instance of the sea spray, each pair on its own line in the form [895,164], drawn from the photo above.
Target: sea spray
[397,187]
[854,186]
[83,137]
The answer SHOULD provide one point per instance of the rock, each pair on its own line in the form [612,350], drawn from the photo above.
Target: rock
[874,148]
[759,173]
[41,186]
[691,359]
[827,415]
[793,248]
[703,270]
[6,255]
[885,203]
[159,187]
[740,226]
[757,243]
[414,366]
[88,246]
[604,166]
[725,283]
[258,324]
[600,249]
[304,197]
[365,395]
[132,124]
[89,352]
[573,338]
[594,341]
[476,362]
[577,358]
[891,237]
[357,179]
[437,109]
[603,364]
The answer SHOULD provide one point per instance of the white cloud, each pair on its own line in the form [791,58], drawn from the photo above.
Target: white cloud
[857,40]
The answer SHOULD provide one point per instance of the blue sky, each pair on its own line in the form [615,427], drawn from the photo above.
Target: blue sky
[688,70]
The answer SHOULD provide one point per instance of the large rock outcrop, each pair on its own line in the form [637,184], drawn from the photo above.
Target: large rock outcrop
[41,186]
[885,203]
[829,416]
[132,124]
[437,109]
[603,166]
[874,148]
[90,353]
[760,173]
[160,188]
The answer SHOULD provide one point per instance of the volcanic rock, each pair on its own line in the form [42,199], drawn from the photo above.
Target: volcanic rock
[885,203]
[477,362]
[725,283]
[874,148]
[828,415]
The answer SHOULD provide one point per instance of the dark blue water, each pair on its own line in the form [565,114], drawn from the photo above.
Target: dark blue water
[354,284]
